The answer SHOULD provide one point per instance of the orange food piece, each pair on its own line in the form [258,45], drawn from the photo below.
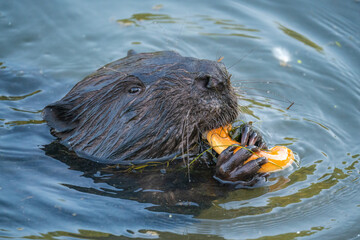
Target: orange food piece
[279,157]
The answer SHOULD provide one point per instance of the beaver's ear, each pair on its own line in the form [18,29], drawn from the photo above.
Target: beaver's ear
[131,52]
[59,116]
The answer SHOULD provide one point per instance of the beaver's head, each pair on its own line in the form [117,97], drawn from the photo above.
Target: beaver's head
[144,106]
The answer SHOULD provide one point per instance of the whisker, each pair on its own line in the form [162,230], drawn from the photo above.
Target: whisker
[262,96]
[284,99]
[247,54]
[287,107]
[256,81]
[188,149]
[182,141]
[187,144]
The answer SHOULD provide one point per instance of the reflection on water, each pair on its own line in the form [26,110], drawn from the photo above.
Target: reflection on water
[17,98]
[141,234]
[26,111]
[136,19]
[300,37]
[229,35]
[228,27]
[165,184]
[308,104]
[293,235]
[18,123]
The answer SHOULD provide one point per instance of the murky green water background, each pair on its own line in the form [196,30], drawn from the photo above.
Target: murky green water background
[48,46]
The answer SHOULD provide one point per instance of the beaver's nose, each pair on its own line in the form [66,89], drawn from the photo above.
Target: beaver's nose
[206,81]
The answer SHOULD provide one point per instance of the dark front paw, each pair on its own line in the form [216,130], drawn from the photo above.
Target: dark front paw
[247,136]
[230,166]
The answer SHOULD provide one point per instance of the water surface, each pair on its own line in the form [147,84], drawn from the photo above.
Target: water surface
[48,46]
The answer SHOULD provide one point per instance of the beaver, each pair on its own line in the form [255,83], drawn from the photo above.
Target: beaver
[152,107]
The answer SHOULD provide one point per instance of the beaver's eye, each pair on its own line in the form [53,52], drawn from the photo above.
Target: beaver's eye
[134,90]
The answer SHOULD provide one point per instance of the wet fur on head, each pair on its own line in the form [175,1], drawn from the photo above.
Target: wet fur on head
[143,107]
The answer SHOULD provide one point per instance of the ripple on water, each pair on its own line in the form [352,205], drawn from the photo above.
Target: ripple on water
[46,198]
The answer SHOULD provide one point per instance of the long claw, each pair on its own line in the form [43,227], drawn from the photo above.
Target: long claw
[242,155]
[261,144]
[253,138]
[245,133]
[227,166]
[226,155]
[247,171]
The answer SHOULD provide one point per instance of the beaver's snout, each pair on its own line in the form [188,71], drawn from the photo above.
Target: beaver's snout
[208,82]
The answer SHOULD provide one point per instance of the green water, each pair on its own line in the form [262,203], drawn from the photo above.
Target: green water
[308,100]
